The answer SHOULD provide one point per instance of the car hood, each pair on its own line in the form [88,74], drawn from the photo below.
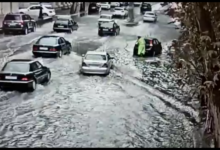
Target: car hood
[22,10]
[102,19]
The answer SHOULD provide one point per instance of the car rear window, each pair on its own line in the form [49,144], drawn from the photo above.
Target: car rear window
[118,8]
[95,57]
[106,25]
[12,17]
[105,17]
[48,41]
[49,7]
[16,67]
[62,21]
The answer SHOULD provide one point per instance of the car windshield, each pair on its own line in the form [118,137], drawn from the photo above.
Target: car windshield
[95,57]
[47,41]
[105,17]
[152,14]
[62,21]
[118,8]
[16,67]
[107,25]
[13,17]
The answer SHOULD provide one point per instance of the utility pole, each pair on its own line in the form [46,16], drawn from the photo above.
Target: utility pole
[130,12]
[11,7]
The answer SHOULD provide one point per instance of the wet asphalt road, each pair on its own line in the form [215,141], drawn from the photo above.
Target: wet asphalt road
[119,110]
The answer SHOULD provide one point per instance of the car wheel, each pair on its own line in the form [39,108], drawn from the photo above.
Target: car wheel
[33,86]
[69,49]
[25,31]
[47,79]
[99,34]
[60,54]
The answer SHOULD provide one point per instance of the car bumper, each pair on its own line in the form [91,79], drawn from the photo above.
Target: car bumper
[44,52]
[118,14]
[149,19]
[15,84]
[61,29]
[107,32]
[90,70]
[12,29]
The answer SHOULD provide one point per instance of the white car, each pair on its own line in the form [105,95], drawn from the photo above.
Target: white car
[150,16]
[105,18]
[96,63]
[34,10]
[120,11]
[104,5]
[115,4]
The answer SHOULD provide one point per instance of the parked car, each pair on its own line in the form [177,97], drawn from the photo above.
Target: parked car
[150,16]
[23,74]
[51,45]
[153,47]
[65,24]
[105,18]
[109,28]
[96,63]
[15,22]
[115,4]
[93,8]
[34,10]
[120,11]
[104,5]
[145,7]
[136,4]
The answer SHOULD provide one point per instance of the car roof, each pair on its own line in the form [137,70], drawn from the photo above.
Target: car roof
[15,13]
[96,53]
[23,60]
[47,36]
[119,7]
[106,15]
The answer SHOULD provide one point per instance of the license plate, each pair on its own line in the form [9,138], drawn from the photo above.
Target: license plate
[43,48]
[105,29]
[60,26]
[93,7]
[11,77]
[12,24]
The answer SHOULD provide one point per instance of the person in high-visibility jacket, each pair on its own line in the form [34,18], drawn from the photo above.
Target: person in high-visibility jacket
[141,46]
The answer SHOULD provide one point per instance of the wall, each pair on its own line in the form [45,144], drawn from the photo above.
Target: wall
[5,7]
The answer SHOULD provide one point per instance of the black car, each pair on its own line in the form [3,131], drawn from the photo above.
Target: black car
[145,7]
[111,28]
[16,22]
[23,74]
[51,45]
[93,8]
[65,24]
[152,47]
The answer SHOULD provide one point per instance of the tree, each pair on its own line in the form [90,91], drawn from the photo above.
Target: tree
[131,12]
[199,56]
[74,7]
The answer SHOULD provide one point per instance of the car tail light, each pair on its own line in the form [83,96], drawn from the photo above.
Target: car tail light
[5,22]
[105,65]
[111,29]
[151,43]
[53,49]
[84,64]
[24,79]
[21,23]
[35,48]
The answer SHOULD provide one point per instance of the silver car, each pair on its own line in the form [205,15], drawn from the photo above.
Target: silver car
[96,63]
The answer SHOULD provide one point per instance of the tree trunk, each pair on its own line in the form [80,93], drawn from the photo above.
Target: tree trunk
[131,12]
[73,8]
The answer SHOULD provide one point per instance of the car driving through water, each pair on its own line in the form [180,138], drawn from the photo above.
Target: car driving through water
[94,62]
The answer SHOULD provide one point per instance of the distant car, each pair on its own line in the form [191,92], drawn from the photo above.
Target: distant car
[150,16]
[96,63]
[136,4]
[107,28]
[145,7]
[93,8]
[115,4]
[105,18]
[34,10]
[23,74]
[120,11]
[51,45]
[65,24]
[152,48]
[15,22]
[104,5]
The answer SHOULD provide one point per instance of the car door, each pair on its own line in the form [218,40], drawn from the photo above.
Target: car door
[70,24]
[62,44]
[37,72]
[27,20]
[32,11]
[44,70]
[31,21]
[110,62]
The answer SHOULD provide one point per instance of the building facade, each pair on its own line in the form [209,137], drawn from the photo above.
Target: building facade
[7,7]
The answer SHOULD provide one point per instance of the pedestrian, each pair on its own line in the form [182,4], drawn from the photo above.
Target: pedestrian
[100,10]
[141,46]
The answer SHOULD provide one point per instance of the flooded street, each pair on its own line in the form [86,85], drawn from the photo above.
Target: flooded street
[128,108]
